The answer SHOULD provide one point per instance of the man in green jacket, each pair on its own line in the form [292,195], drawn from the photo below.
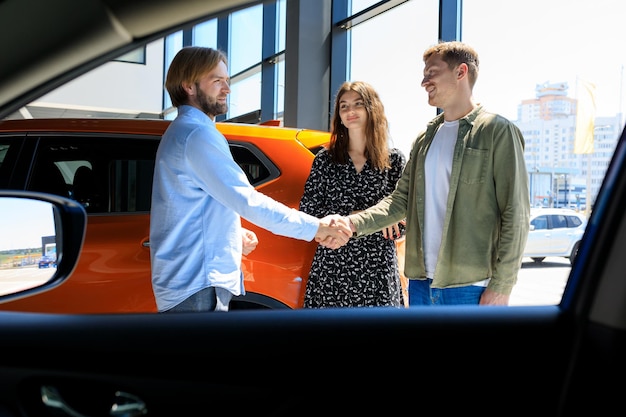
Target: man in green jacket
[464,193]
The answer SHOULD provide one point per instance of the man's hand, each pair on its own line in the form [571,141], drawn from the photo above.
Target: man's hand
[492,298]
[345,221]
[249,241]
[333,232]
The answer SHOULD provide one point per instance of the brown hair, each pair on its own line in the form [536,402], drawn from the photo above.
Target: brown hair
[376,131]
[188,66]
[455,53]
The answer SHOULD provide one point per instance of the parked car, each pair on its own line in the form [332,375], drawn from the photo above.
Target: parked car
[554,232]
[47,262]
[107,165]
[550,360]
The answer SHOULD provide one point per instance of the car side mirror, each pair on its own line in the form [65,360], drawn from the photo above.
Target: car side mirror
[532,227]
[41,236]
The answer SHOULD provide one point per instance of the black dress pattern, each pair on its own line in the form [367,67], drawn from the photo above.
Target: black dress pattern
[364,272]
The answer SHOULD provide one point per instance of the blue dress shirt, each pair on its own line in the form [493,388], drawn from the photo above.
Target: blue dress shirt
[199,193]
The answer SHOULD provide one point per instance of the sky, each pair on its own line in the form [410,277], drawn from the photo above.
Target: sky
[520,44]
[558,40]
[24,222]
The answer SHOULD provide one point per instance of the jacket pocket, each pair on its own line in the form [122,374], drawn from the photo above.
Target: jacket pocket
[474,167]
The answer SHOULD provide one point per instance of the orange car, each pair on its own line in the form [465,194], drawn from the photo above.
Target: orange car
[107,165]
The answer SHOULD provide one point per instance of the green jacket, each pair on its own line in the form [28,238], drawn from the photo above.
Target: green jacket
[488,209]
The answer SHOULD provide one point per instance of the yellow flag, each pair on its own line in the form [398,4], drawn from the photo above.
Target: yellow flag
[585,117]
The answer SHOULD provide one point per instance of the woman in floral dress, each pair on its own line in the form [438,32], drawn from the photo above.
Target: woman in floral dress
[355,172]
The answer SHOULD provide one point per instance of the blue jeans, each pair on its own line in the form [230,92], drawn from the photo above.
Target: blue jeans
[421,293]
[208,299]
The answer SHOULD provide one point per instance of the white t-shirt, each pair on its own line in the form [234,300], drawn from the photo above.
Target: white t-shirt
[438,166]
[437,169]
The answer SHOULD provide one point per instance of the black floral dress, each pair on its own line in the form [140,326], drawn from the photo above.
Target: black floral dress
[364,272]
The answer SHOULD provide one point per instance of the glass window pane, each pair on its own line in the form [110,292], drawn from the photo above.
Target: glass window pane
[138,56]
[282,24]
[387,53]
[245,95]
[205,34]
[246,37]
[173,44]
[359,5]
[537,74]
[280,90]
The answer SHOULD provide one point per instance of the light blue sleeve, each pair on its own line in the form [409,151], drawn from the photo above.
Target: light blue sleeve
[216,172]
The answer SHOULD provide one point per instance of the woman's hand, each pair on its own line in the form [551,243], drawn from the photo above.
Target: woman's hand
[395,231]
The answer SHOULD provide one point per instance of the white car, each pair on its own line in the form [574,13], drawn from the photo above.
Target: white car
[554,232]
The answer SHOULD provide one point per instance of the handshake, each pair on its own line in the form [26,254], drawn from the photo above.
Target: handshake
[334,231]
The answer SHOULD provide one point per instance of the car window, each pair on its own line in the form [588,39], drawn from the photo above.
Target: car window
[540,223]
[114,174]
[106,175]
[47,178]
[256,170]
[9,148]
[573,221]
[558,221]
[551,185]
[4,148]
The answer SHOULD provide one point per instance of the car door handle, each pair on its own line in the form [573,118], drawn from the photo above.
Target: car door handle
[124,404]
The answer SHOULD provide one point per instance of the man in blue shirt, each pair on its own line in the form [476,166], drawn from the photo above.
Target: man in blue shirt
[200,194]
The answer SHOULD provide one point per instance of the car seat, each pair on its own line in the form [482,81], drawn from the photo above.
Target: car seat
[47,178]
[84,188]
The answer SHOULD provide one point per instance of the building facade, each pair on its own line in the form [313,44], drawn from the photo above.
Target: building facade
[559,177]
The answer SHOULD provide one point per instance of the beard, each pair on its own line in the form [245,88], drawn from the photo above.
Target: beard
[208,104]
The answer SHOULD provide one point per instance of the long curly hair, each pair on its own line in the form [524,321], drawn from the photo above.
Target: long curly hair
[376,131]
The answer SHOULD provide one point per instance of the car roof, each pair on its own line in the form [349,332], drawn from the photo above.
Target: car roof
[77,42]
[308,137]
[553,210]
[539,211]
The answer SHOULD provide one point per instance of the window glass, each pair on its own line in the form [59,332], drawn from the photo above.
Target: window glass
[131,183]
[359,5]
[387,52]
[246,36]
[559,222]
[245,95]
[138,56]
[282,24]
[5,144]
[256,171]
[280,90]
[205,34]
[549,50]
[573,221]
[546,59]
[113,175]
[544,67]
[47,176]
[279,105]
[173,44]
[540,223]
